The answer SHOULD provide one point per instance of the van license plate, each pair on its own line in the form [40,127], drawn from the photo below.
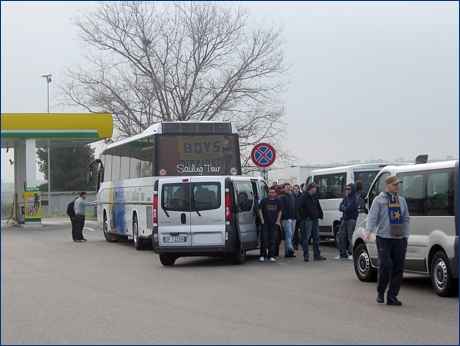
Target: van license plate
[174,239]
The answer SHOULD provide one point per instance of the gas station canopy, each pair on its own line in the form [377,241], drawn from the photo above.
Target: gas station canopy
[55,130]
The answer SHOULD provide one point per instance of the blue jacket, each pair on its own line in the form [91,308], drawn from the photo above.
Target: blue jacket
[308,207]
[288,202]
[348,205]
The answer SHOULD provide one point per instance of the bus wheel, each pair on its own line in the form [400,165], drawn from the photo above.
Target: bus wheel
[138,241]
[108,236]
[362,263]
[441,276]
[167,259]
[238,257]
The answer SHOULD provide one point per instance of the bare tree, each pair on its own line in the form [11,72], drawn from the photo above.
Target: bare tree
[181,61]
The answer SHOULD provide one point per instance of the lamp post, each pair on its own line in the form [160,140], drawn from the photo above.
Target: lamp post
[48,81]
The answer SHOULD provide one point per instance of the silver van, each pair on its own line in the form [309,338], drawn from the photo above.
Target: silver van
[206,216]
[431,191]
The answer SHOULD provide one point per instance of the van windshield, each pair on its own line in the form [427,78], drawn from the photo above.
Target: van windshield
[179,196]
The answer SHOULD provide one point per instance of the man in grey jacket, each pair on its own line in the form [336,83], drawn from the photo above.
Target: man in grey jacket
[79,208]
[389,216]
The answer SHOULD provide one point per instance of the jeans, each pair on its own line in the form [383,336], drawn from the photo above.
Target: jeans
[392,254]
[310,227]
[268,238]
[347,227]
[288,226]
[80,221]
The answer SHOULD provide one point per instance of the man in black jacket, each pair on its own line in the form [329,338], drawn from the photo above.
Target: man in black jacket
[309,210]
[71,213]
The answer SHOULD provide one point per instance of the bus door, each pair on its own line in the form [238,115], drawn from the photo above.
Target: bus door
[207,207]
[174,220]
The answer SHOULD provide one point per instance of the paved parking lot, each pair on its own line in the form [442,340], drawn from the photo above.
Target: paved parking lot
[55,291]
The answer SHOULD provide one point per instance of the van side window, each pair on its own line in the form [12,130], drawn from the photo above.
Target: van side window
[206,196]
[367,177]
[412,189]
[331,185]
[245,197]
[378,187]
[440,193]
[175,197]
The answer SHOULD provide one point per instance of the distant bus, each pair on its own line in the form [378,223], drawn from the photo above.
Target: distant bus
[128,169]
[331,190]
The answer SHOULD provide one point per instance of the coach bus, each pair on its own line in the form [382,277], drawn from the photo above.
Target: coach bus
[127,170]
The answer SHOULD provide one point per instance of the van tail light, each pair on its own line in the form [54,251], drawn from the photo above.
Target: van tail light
[155,209]
[228,207]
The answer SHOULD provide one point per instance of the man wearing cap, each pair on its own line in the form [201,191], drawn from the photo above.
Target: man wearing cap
[389,216]
[309,210]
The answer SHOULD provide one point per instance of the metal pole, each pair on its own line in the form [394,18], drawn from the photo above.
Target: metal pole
[48,81]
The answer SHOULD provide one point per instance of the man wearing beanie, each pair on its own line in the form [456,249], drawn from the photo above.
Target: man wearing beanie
[310,211]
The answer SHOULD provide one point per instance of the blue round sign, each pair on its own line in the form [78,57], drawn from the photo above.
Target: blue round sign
[263,155]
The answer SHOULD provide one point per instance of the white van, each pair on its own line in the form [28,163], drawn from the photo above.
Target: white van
[206,216]
[331,190]
[431,192]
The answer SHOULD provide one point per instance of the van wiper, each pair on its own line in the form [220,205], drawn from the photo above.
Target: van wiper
[196,209]
[166,212]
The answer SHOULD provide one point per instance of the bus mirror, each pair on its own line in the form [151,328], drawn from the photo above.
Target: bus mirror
[361,205]
[89,174]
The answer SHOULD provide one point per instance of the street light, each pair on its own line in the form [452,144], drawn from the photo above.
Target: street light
[48,81]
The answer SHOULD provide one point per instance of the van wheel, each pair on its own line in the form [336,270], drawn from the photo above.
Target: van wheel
[108,236]
[138,241]
[238,257]
[336,234]
[441,276]
[167,259]
[362,263]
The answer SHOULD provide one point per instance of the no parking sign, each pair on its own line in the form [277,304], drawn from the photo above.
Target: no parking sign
[263,155]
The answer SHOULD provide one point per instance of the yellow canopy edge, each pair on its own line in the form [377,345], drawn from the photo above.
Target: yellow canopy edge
[101,122]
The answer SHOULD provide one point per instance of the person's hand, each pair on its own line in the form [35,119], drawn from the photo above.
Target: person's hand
[367,237]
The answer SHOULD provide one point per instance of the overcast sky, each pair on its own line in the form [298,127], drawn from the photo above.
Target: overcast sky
[370,80]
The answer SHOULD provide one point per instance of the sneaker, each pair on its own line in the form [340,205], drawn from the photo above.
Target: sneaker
[261,259]
[83,239]
[305,259]
[340,258]
[296,247]
[350,258]
[320,258]
[79,241]
[272,259]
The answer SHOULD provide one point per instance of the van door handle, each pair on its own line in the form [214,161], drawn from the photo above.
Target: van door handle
[183,219]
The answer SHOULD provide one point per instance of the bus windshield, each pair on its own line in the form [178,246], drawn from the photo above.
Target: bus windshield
[214,154]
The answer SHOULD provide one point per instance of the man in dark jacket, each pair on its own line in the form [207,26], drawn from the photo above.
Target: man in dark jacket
[71,213]
[309,210]
[350,213]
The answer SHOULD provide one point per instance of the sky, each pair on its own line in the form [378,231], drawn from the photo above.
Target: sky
[370,80]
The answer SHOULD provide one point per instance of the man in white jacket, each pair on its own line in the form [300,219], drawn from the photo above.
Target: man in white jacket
[79,208]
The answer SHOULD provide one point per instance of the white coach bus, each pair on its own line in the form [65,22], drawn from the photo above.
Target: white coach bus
[331,190]
[128,169]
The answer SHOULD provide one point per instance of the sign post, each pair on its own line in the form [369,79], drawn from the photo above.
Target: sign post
[263,155]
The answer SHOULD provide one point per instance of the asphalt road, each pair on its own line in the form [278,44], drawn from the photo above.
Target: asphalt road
[55,291]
